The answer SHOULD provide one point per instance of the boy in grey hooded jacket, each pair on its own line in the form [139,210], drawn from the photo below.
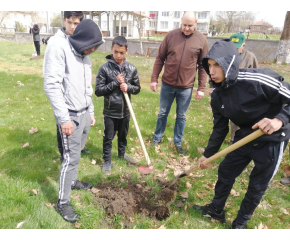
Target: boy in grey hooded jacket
[67,84]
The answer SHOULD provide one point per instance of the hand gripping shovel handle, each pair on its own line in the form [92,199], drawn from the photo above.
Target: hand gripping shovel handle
[229,149]
[216,156]
[137,128]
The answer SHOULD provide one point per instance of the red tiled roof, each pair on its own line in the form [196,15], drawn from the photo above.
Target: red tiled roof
[262,23]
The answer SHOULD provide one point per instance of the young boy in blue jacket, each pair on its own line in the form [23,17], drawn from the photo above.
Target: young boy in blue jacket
[250,98]
[113,78]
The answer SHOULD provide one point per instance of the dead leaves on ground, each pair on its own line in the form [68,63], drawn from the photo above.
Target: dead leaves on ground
[25,145]
[33,130]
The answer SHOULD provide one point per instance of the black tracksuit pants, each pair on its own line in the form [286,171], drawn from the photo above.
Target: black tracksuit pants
[266,156]
[37,47]
[111,126]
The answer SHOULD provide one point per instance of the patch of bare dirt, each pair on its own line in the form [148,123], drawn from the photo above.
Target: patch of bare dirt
[132,199]
[36,58]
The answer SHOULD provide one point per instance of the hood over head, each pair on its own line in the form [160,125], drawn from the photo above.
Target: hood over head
[86,35]
[225,53]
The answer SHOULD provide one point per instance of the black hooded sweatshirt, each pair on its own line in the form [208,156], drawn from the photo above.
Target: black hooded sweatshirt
[86,35]
[245,97]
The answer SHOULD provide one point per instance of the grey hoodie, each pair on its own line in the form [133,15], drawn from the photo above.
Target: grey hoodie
[67,78]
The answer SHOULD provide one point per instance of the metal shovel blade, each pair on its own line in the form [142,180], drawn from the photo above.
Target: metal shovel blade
[144,170]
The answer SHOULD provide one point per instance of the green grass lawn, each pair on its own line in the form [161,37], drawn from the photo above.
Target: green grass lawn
[29,175]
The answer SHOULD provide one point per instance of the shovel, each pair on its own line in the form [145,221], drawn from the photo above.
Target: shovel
[216,156]
[142,169]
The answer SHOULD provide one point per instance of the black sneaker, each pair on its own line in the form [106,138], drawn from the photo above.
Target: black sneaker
[67,212]
[236,225]
[81,185]
[285,181]
[128,159]
[106,168]
[209,211]
[180,150]
[154,143]
[85,151]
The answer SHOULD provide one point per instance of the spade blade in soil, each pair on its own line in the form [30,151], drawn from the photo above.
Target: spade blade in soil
[144,170]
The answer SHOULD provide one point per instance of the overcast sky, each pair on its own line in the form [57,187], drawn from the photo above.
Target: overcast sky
[275,18]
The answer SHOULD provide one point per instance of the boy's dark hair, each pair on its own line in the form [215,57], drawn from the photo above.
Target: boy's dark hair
[121,41]
[75,14]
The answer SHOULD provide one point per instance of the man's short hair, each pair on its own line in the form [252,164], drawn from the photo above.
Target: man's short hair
[121,41]
[74,14]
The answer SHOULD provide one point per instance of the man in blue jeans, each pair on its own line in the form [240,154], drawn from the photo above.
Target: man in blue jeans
[181,53]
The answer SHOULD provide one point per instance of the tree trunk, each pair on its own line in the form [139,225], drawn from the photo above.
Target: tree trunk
[283,51]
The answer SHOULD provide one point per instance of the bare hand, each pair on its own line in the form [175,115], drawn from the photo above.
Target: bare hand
[93,121]
[201,164]
[120,78]
[124,87]
[154,86]
[268,126]
[199,95]
[67,128]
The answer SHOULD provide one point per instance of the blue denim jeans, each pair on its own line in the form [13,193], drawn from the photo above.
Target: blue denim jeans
[167,95]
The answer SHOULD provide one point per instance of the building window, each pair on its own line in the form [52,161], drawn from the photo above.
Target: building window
[165,14]
[202,15]
[164,24]
[177,14]
[201,27]
[154,15]
[176,24]
[152,24]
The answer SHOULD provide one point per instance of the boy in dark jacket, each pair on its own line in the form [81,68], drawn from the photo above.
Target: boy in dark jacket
[251,98]
[113,78]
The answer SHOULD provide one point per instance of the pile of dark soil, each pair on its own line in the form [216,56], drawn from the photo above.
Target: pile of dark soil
[132,199]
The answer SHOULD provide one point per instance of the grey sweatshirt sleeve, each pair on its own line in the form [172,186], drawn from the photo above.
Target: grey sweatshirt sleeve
[54,72]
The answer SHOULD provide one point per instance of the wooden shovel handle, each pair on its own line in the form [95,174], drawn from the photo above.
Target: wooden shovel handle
[229,149]
[137,128]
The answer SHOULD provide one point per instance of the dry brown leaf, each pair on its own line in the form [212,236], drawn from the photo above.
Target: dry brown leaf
[188,185]
[177,172]
[131,139]
[200,150]
[35,191]
[93,162]
[185,207]
[77,225]
[210,186]
[139,185]
[283,210]
[33,130]
[235,193]
[48,204]
[162,154]
[25,145]
[100,131]
[162,227]
[179,204]
[261,226]
[19,225]
[184,195]
[95,190]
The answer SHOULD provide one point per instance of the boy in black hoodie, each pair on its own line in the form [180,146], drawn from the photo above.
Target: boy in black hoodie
[113,78]
[67,84]
[251,98]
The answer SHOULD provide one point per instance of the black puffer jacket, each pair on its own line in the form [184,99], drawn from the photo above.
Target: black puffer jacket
[245,97]
[108,86]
